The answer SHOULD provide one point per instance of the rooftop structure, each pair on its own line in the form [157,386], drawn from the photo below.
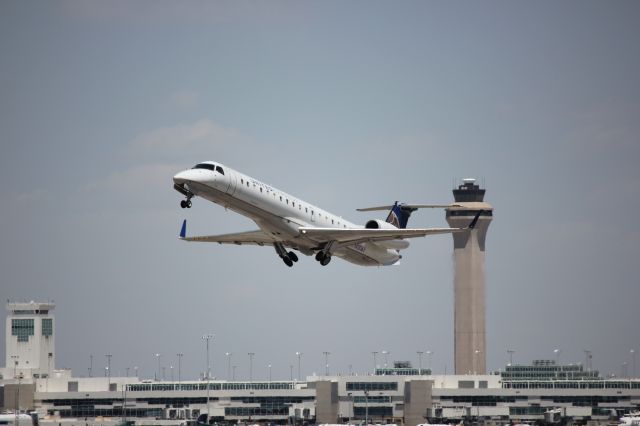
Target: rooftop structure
[30,340]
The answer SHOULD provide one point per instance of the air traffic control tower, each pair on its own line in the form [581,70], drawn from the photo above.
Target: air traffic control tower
[469,277]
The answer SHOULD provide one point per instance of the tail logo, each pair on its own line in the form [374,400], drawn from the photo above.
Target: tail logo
[393,219]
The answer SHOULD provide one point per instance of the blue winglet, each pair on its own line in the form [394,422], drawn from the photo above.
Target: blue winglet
[183,231]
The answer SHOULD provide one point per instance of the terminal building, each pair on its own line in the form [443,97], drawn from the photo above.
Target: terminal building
[542,392]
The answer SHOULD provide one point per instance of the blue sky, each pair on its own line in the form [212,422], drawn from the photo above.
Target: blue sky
[345,104]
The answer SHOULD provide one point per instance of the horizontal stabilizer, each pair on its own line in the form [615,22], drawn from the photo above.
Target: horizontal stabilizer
[409,206]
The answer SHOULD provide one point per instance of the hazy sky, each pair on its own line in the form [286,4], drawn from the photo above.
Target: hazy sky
[345,105]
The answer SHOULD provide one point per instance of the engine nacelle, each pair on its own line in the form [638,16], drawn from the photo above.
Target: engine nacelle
[378,224]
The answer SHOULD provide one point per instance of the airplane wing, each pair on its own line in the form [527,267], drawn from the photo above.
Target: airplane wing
[360,235]
[354,236]
[257,237]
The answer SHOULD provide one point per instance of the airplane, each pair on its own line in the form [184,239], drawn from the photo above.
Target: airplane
[287,222]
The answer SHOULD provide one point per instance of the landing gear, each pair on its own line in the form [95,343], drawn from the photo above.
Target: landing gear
[323,258]
[289,258]
[186,204]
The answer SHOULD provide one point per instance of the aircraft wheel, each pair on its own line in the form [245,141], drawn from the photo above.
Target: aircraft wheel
[183,204]
[325,261]
[188,204]
[287,261]
[293,256]
[319,256]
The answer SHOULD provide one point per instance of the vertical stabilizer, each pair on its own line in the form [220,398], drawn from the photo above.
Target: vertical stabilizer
[399,215]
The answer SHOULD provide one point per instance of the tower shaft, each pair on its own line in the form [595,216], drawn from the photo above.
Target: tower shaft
[469,284]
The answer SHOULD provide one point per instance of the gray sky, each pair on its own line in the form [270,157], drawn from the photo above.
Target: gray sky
[344,104]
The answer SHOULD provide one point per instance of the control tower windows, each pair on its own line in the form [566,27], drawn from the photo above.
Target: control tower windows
[22,328]
[47,327]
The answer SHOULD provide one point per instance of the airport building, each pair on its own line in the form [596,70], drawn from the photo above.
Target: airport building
[541,392]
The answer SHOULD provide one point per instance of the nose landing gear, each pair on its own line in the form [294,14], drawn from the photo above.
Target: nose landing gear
[186,204]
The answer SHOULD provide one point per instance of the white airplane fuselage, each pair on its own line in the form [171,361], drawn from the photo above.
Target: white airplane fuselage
[281,215]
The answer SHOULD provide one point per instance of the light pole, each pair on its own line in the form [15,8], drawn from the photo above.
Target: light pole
[109,367]
[180,355]
[135,369]
[326,362]
[291,372]
[127,370]
[557,352]
[90,365]
[157,374]
[375,363]
[633,361]
[386,358]
[420,362]
[15,365]
[251,354]
[510,352]
[208,337]
[350,396]
[233,374]
[228,355]
[269,373]
[171,369]
[299,354]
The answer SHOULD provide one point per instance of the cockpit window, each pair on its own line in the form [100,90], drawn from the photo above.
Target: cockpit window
[219,170]
[206,166]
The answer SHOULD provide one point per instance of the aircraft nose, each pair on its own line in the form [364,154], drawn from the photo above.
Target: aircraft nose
[181,178]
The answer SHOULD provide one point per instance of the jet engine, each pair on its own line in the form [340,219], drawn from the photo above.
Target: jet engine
[378,224]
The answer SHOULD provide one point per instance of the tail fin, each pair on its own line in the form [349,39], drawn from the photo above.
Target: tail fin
[399,215]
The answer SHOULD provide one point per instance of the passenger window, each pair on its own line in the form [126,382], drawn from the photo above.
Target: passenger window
[281,198]
[293,203]
[306,210]
[332,221]
[242,181]
[261,189]
[287,201]
[219,170]
[247,184]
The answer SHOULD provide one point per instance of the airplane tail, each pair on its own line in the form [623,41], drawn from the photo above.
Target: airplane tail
[399,215]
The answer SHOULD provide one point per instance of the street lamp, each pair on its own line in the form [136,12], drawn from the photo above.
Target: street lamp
[90,365]
[157,374]
[180,355]
[326,362]
[375,364]
[269,373]
[298,354]
[386,358]
[420,362]
[366,407]
[251,354]
[228,355]
[135,369]
[208,337]
[109,366]
[557,352]
[633,360]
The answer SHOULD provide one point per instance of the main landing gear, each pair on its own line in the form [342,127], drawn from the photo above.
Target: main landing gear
[186,204]
[323,258]
[289,258]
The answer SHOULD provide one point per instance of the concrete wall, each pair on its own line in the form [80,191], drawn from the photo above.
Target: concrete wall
[417,399]
[327,402]
[26,396]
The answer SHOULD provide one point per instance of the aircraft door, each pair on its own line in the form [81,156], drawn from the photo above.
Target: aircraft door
[232,178]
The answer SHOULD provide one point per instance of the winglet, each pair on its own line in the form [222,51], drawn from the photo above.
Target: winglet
[474,221]
[183,231]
